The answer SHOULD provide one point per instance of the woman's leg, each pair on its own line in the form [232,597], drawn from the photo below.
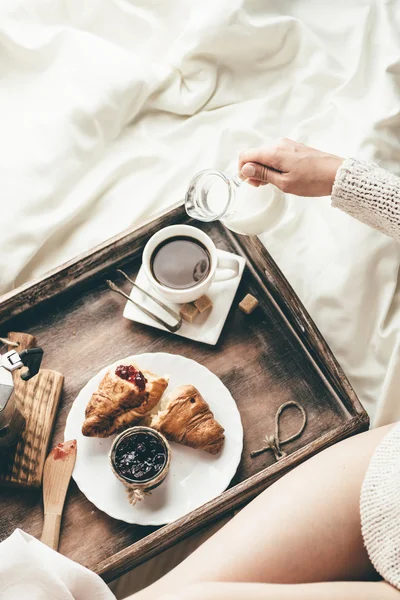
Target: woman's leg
[337,590]
[304,528]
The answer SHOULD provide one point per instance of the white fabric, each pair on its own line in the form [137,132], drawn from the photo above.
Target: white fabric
[380,508]
[29,570]
[108,107]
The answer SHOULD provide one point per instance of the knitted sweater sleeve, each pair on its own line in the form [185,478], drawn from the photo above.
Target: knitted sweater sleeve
[367,192]
[380,508]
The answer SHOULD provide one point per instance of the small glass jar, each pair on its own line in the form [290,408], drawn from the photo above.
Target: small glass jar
[243,208]
[132,454]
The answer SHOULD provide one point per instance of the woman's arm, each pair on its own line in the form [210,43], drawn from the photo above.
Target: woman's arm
[360,188]
[370,194]
[352,590]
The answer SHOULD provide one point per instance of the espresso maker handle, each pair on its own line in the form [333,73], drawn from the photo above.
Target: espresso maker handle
[32,359]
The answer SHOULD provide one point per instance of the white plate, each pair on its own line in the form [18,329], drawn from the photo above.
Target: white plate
[194,477]
[208,326]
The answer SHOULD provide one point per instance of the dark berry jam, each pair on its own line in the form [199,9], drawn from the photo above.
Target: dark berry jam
[133,375]
[140,456]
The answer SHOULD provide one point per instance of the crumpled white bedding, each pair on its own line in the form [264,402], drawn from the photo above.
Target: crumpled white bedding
[108,107]
[29,570]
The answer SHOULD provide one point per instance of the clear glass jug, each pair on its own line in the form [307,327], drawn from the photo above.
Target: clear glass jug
[243,208]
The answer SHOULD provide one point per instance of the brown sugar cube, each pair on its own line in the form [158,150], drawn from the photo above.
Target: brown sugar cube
[188,312]
[248,304]
[203,303]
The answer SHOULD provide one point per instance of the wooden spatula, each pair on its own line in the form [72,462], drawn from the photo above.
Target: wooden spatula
[56,475]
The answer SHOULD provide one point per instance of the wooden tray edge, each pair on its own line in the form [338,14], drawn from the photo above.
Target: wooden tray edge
[290,306]
[85,265]
[169,535]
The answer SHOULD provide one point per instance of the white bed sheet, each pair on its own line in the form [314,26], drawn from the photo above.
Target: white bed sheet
[108,107]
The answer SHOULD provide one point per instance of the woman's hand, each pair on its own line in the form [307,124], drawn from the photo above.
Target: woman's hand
[292,167]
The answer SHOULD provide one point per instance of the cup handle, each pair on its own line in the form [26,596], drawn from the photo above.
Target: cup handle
[230,266]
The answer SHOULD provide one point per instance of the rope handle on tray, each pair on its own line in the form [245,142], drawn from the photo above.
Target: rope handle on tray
[274,442]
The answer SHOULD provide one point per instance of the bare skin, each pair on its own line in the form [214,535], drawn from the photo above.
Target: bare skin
[292,167]
[265,591]
[304,529]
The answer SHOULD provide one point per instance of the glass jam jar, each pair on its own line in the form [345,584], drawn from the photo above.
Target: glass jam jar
[140,459]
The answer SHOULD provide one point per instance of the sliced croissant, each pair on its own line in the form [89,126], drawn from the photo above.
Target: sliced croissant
[118,403]
[187,419]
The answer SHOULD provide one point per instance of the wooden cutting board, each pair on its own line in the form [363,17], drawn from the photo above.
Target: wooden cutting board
[38,400]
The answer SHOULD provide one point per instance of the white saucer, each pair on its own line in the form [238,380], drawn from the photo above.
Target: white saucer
[195,477]
[207,327]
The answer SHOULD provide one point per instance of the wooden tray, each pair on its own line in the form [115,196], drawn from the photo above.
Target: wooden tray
[272,356]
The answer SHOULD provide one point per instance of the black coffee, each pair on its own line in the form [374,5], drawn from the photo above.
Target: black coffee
[180,262]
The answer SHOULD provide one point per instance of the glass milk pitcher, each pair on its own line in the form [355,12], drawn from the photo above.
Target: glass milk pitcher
[243,208]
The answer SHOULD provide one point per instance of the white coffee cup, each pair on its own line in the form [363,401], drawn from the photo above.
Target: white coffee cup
[222,268]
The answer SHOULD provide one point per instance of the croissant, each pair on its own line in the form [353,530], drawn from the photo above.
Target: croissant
[187,419]
[122,400]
